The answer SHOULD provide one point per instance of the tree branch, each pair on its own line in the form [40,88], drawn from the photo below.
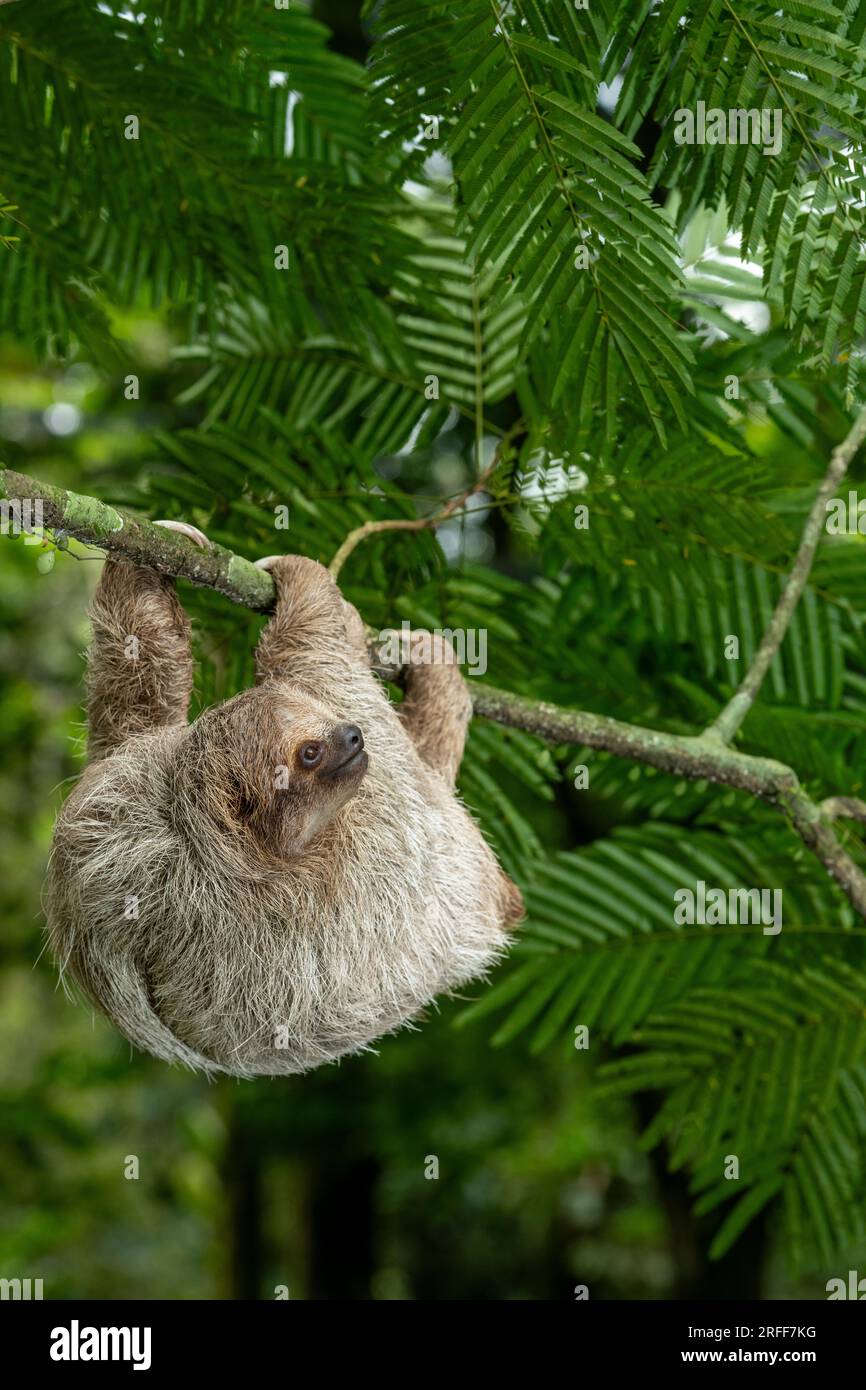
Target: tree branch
[706,756]
[844,808]
[727,723]
[122,532]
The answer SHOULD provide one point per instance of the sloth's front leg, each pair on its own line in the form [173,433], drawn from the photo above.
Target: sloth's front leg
[437,707]
[436,714]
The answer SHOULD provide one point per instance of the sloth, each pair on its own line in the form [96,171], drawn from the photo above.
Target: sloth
[290,876]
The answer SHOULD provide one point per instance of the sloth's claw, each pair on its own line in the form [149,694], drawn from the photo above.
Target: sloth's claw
[184,529]
[266,561]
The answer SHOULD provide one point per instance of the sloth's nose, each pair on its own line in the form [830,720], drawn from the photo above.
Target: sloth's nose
[348,739]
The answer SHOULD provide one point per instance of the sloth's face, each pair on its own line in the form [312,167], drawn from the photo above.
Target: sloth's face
[273,767]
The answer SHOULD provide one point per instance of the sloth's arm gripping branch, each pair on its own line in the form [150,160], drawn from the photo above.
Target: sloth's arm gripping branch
[139,669]
[438,706]
[309,613]
[706,756]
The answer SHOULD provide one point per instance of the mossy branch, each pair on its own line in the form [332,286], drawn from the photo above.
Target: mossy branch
[123,532]
[706,756]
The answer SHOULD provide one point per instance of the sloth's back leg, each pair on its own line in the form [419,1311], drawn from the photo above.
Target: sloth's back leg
[436,714]
[437,707]
[139,666]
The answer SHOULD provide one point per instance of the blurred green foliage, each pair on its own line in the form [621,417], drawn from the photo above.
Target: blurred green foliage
[319,1182]
[151,263]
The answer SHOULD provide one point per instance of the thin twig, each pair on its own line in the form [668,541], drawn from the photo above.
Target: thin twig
[728,721]
[418,523]
[844,808]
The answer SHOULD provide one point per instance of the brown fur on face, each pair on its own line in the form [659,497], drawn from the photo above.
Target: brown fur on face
[269,769]
[292,875]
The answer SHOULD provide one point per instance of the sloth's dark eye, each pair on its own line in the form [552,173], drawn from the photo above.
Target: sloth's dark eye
[311,754]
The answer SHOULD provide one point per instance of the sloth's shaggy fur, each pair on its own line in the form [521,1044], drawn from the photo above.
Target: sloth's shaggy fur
[243,927]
